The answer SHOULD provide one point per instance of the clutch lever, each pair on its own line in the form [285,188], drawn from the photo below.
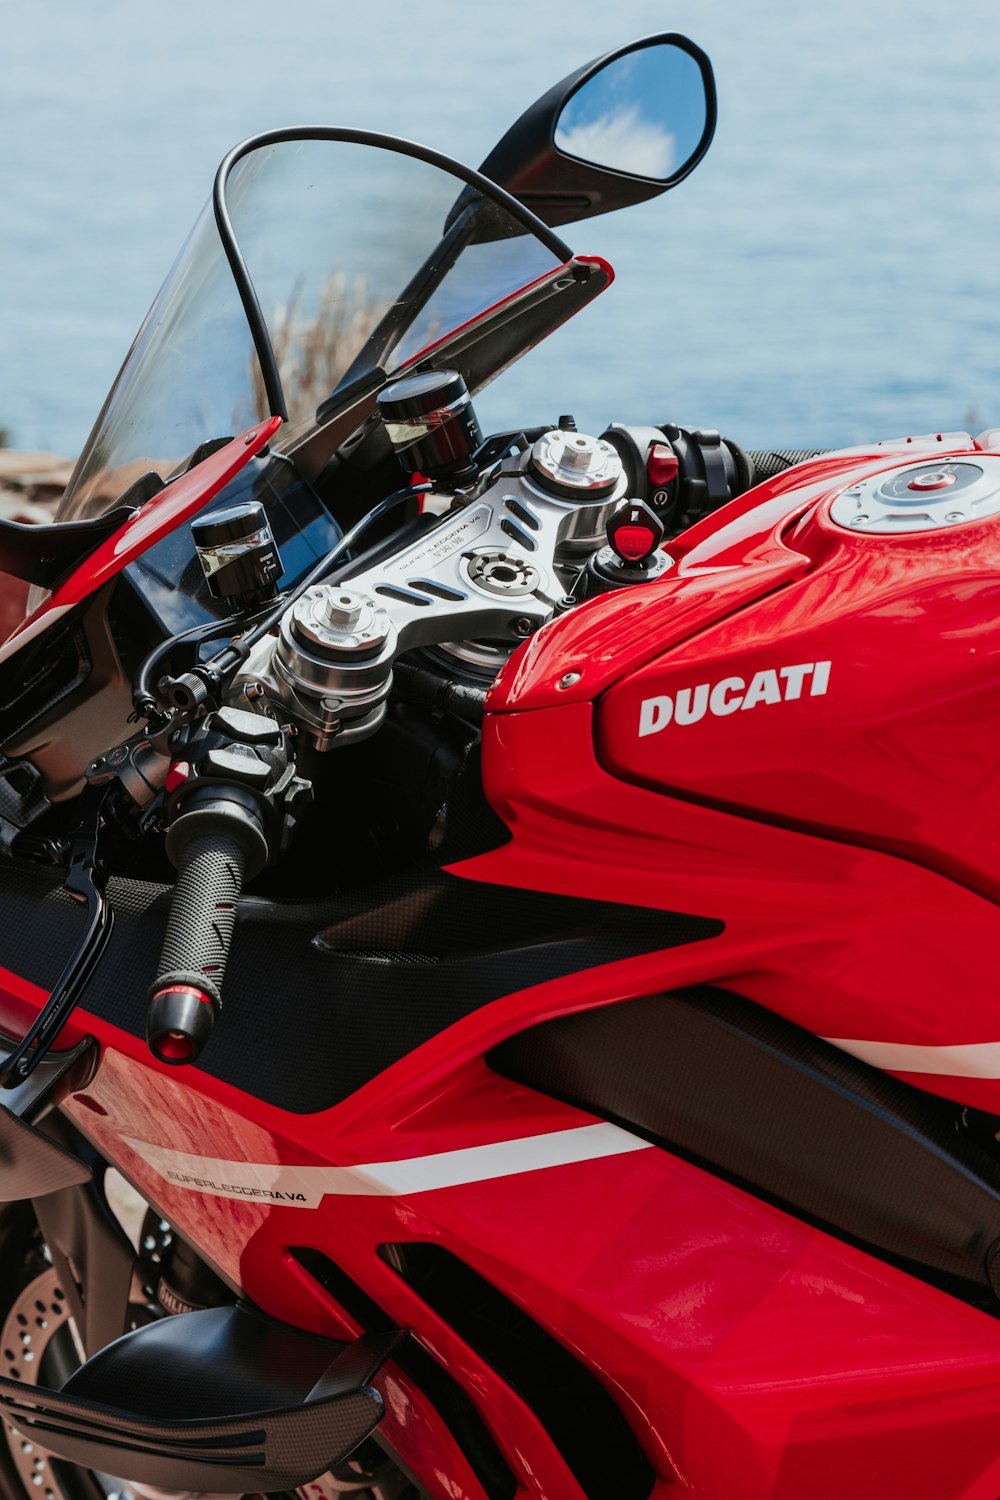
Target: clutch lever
[85,882]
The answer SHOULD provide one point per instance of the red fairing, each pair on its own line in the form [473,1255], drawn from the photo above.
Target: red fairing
[791,673]
[859,700]
[733,556]
[174,505]
[602,639]
[750,1353]
[165,512]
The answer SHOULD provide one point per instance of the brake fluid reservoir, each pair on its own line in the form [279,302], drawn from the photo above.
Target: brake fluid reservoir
[432,425]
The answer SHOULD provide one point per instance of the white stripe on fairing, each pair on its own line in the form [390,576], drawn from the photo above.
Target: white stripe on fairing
[305,1187]
[967,1060]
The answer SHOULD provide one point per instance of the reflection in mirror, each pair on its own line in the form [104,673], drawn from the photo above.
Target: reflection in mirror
[644,114]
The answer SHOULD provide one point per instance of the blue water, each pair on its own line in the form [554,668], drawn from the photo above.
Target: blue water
[830,273]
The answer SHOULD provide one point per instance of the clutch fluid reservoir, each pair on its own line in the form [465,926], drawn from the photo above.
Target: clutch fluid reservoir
[237,554]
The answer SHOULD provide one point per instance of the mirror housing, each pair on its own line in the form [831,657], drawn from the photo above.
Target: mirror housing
[532,161]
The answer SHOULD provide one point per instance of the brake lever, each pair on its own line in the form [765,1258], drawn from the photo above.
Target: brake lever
[85,882]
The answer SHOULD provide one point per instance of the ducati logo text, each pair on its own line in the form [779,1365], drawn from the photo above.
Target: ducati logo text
[733,695]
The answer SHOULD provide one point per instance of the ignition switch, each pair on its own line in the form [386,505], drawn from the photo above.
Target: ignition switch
[634,533]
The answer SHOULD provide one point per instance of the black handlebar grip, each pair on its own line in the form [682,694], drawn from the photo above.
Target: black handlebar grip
[187,994]
[775,461]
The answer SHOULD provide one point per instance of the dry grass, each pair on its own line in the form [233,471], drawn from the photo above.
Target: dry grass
[314,352]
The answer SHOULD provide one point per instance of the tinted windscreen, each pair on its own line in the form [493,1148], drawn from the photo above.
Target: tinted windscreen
[361,258]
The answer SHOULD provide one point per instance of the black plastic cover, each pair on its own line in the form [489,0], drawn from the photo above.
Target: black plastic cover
[224,1400]
[786,1115]
[42,555]
[364,978]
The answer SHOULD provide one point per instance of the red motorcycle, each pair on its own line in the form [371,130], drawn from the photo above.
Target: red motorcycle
[596,1110]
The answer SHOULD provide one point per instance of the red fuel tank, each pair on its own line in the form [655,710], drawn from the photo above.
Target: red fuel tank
[795,731]
[859,699]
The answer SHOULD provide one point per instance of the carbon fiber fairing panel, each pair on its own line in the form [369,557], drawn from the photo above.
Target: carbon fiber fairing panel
[357,982]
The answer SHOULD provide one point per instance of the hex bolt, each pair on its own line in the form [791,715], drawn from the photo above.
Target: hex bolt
[577,453]
[341,611]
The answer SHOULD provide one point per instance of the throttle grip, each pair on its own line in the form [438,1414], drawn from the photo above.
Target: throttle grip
[187,993]
[776,460]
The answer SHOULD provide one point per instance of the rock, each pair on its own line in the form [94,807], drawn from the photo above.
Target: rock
[31,484]
[16,464]
[15,507]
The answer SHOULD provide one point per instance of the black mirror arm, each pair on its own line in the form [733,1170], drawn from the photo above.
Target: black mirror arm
[416,294]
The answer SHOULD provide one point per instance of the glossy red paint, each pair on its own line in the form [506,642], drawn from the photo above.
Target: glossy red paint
[752,1354]
[740,1344]
[848,942]
[177,503]
[733,557]
[895,745]
[606,636]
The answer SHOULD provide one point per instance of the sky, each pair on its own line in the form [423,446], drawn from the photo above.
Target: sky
[828,272]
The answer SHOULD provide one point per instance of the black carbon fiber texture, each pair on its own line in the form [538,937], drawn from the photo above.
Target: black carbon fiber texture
[31,1164]
[203,912]
[766,465]
[323,996]
[224,1397]
[281,1451]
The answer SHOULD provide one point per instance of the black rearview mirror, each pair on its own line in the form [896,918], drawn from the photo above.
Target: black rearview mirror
[617,131]
[642,113]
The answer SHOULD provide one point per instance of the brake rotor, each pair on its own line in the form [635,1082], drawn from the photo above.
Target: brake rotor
[37,1318]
